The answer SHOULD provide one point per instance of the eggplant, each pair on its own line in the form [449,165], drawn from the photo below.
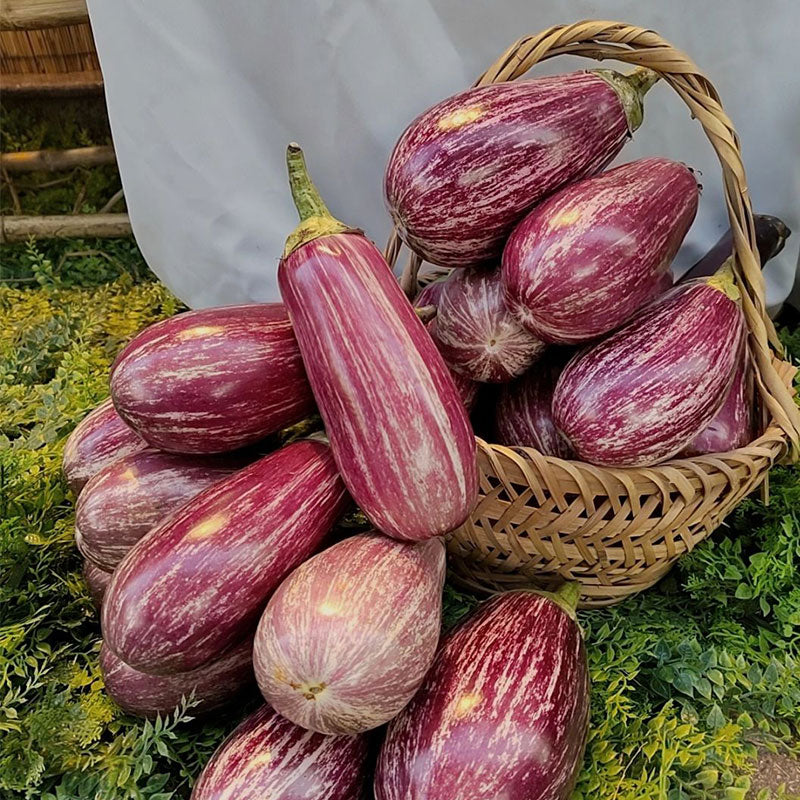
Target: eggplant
[475,332]
[524,410]
[99,438]
[583,262]
[467,170]
[732,427]
[643,394]
[128,497]
[430,293]
[399,432]
[771,235]
[503,712]
[347,638]
[97,580]
[212,686]
[269,758]
[198,582]
[214,380]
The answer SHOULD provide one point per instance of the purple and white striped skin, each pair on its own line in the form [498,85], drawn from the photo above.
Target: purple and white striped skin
[732,427]
[98,439]
[586,259]
[214,684]
[269,758]
[466,387]
[97,580]
[214,380]
[467,170]
[430,293]
[524,410]
[644,393]
[198,582]
[503,712]
[128,497]
[347,638]
[475,332]
[398,429]
[666,282]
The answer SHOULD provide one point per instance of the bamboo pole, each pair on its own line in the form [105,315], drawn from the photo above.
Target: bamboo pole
[54,160]
[35,14]
[53,83]
[19,228]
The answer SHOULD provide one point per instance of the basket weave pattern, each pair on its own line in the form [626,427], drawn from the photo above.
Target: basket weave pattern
[540,520]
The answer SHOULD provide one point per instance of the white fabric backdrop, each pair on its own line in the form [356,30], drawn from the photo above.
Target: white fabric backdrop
[203,97]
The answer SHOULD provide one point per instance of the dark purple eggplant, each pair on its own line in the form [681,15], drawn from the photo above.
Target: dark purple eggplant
[771,235]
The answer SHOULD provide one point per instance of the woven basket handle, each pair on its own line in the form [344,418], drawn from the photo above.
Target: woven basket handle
[601,40]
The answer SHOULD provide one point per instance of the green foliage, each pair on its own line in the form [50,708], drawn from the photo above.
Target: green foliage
[60,123]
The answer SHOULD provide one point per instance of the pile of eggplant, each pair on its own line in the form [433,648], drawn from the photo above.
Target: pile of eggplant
[210,486]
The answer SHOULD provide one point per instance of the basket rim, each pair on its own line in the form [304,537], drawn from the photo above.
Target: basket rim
[773,437]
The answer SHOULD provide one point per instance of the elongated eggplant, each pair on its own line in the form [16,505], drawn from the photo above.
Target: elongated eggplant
[214,380]
[99,438]
[524,409]
[585,260]
[475,332]
[269,758]
[398,429]
[503,712]
[347,638]
[97,581]
[468,169]
[732,427]
[771,235]
[644,393]
[130,496]
[213,685]
[197,583]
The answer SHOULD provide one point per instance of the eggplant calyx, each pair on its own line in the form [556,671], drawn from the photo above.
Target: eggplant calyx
[631,90]
[566,597]
[724,280]
[315,219]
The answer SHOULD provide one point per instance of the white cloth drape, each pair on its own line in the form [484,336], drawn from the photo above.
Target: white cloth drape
[204,95]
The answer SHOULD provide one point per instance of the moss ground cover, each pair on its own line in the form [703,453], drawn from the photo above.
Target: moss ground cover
[689,679]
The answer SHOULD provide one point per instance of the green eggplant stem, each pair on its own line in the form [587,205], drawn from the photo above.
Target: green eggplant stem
[724,280]
[642,79]
[306,196]
[631,90]
[315,219]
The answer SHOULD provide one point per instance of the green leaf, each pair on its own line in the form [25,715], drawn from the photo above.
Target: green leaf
[743,592]
[715,718]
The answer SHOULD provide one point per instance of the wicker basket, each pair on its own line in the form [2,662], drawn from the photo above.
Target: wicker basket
[540,520]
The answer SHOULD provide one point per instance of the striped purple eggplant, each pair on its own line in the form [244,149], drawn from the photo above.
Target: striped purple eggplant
[213,685]
[585,260]
[644,393]
[503,712]
[467,170]
[197,583]
[732,427]
[99,438]
[214,380]
[430,293]
[269,758]
[475,332]
[127,498]
[665,283]
[399,432]
[466,387]
[97,580]
[524,410]
[347,638]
